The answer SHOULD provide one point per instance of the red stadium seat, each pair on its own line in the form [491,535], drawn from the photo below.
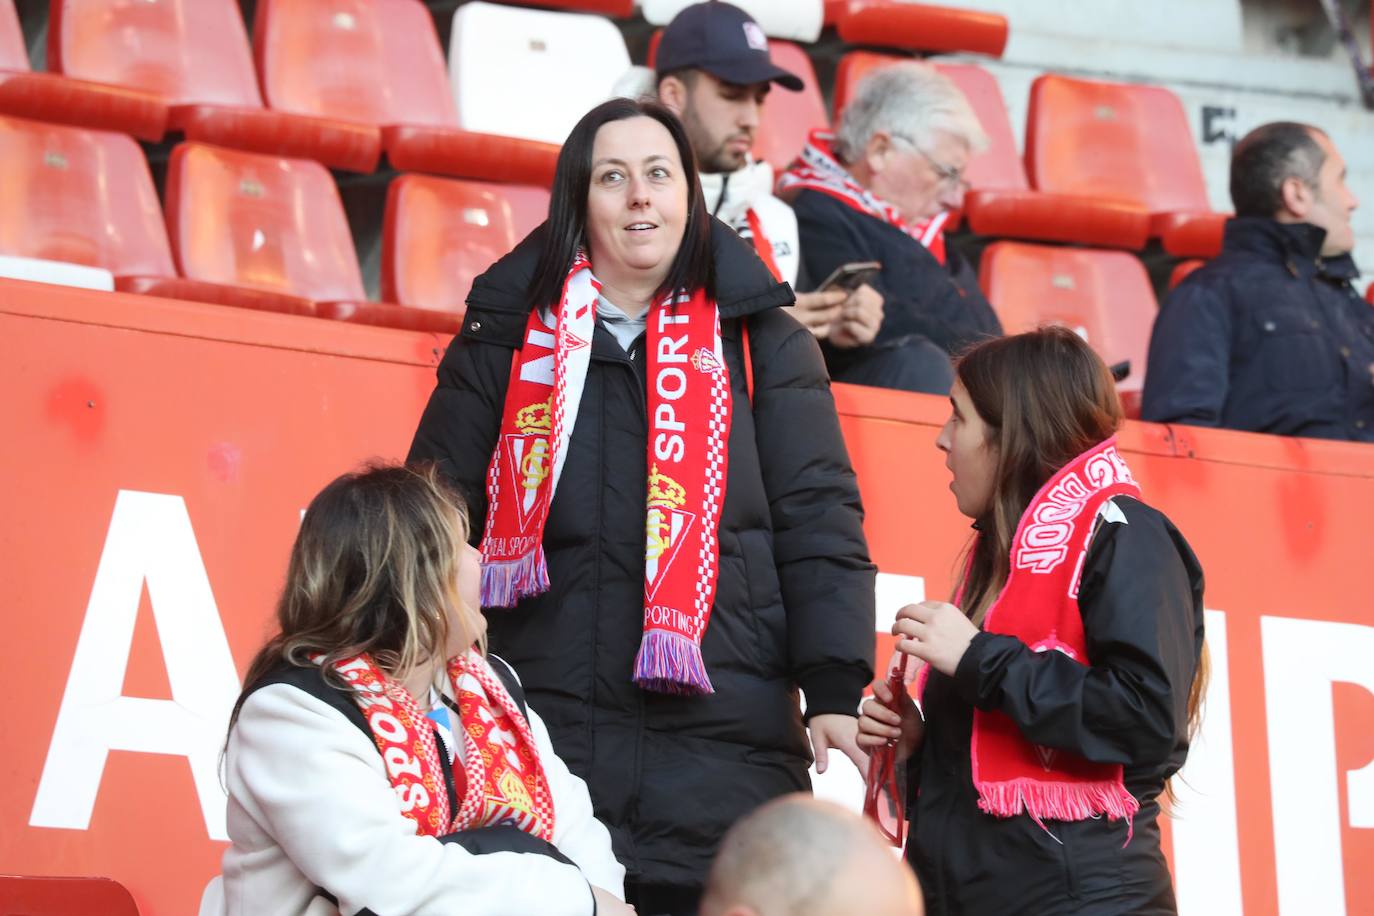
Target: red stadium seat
[1196,238]
[1001,203]
[1369,294]
[79,196]
[1182,269]
[59,99]
[194,55]
[440,233]
[789,116]
[377,64]
[44,896]
[919,26]
[1115,141]
[1103,295]
[268,233]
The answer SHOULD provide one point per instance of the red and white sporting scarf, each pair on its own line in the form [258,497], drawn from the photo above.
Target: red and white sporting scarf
[1039,606]
[818,169]
[689,425]
[501,780]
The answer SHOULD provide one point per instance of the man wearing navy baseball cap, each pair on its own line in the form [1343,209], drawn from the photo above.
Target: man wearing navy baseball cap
[714,70]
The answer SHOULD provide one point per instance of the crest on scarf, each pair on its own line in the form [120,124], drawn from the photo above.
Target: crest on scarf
[666,525]
[705,361]
[529,457]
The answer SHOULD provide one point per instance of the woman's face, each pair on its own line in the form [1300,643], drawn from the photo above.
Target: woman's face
[465,622]
[970,457]
[637,201]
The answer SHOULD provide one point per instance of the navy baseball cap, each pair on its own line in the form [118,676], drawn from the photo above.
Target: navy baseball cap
[725,42]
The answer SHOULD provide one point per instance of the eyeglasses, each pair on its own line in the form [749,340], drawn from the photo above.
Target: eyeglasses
[950,177]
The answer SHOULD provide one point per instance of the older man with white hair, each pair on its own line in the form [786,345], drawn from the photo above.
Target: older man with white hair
[880,189]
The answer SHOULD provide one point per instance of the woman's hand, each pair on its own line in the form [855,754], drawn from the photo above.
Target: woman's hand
[608,904]
[936,632]
[838,731]
[879,724]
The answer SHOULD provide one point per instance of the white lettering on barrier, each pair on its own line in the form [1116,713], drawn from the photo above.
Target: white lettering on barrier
[150,539]
[1206,844]
[1302,658]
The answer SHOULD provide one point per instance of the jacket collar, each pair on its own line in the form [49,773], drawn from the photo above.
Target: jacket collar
[729,195]
[743,285]
[1295,245]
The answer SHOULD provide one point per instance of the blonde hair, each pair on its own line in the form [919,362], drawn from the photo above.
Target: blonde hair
[373,571]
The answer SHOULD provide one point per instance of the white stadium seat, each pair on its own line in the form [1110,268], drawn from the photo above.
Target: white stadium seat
[795,20]
[531,73]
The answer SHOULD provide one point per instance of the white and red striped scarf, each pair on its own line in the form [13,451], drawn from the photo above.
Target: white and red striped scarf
[689,425]
[501,780]
[818,169]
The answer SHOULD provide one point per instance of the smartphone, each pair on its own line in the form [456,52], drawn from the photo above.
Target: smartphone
[851,276]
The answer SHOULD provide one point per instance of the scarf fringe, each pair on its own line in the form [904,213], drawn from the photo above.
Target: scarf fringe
[505,582]
[670,663]
[1060,801]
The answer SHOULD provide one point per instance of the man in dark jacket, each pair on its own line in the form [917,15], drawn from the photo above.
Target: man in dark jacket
[1271,336]
[880,190]
[793,609]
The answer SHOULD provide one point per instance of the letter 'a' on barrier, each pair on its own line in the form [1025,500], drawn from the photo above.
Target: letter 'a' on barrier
[1203,818]
[1302,658]
[149,539]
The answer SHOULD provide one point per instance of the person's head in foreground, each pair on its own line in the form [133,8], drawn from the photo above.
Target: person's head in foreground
[1023,407]
[714,71]
[907,136]
[801,856]
[381,566]
[625,190]
[1293,173]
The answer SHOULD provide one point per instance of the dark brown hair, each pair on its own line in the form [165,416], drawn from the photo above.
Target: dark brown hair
[1046,397]
[692,268]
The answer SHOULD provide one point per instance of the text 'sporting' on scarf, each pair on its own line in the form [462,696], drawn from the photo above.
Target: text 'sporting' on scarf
[689,409]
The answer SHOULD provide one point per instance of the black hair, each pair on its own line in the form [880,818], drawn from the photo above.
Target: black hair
[692,268]
[688,75]
[1265,157]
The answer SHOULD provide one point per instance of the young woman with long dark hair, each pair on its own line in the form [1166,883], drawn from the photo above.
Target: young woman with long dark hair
[1061,687]
[672,539]
[377,760]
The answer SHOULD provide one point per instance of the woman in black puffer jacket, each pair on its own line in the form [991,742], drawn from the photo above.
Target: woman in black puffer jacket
[669,772]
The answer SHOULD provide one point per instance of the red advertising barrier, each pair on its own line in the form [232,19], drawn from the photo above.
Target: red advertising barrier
[157,456]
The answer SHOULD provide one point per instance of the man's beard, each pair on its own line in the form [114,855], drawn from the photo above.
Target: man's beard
[724,159]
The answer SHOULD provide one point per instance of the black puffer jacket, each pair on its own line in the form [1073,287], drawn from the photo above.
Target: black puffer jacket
[794,604]
[1141,601]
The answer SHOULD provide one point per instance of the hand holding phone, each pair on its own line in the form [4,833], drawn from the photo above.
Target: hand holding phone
[851,276]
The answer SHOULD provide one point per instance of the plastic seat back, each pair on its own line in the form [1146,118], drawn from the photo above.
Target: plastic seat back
[1113,140]
[260,221]
[1103,295]
[79,196]
[13,53]
[441,233]
[186,51]
[789,116]
[797,20]
[44,896]
[374,61]
[531,73]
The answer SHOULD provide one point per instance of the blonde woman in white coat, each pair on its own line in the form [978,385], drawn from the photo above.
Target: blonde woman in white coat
[377,761]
